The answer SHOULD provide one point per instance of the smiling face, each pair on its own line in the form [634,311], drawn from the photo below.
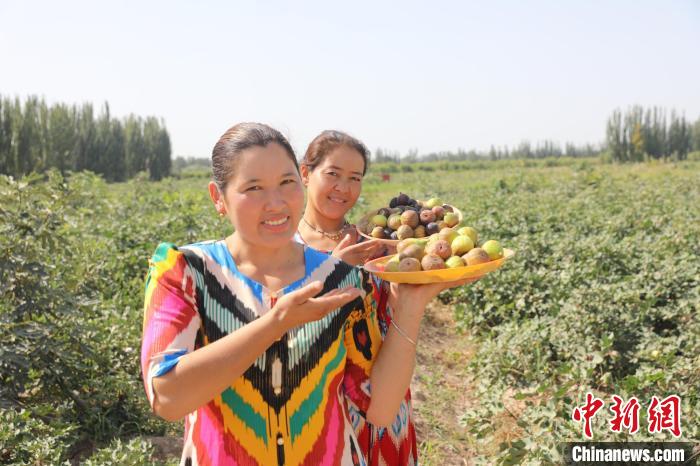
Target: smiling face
[335,184]
[264,198]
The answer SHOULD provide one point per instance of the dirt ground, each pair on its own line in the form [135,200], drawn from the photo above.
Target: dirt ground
[441,390]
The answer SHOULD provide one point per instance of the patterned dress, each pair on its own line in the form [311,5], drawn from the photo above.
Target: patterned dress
[393,446]
[289,407]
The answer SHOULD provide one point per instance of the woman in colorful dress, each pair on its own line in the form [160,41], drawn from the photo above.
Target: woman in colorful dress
[250,338]
[332,171]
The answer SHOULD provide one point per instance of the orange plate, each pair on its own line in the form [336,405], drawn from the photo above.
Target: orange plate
[376,267]
[361,225]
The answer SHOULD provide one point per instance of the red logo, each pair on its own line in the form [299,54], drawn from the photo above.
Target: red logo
[662,415]
[665,415]
[626,416]
[587,412]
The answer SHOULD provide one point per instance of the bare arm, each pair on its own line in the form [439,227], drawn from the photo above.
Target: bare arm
[201,375]
[392,371]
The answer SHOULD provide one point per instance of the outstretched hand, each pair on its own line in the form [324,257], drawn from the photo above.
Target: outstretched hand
[356,254]
[300,306]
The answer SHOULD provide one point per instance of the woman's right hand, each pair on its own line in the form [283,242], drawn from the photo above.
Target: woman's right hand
[300,306]
[356,254]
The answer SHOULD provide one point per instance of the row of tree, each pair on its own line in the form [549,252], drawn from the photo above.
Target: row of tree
[641,134]
[633,136]
[35,137]
[524,150]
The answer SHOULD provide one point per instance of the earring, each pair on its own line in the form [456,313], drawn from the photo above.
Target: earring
[221,214]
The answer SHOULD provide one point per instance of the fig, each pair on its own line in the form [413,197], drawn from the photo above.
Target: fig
[470,232]
[493,248]
[392,266]
[409,264]
[419,232]
[403,244]
[427,216]
[448,234]
[454,262]
[413,250]
[432,228]
[394,221]
[393,202]
[384,211]
[404,232]
[394,235]
[448,208]
[451,219]
[435,201]
[439,212]
[432,262]
[402,199]
[387,232]
[476,256]
[439,248]
[378,232]
[410,218]
[461,245]
[379,220]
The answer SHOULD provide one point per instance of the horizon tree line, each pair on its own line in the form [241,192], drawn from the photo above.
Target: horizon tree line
[524,150]
[35,137]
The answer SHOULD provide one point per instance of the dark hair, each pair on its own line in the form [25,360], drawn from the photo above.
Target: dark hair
[239,138]
[329,140]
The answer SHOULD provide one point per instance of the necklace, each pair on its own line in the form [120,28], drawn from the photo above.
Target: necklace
[335,236]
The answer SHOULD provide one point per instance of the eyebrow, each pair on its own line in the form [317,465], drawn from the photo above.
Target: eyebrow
[257,180]
[339,168]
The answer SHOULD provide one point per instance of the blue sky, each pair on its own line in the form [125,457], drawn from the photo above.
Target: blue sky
[426,75]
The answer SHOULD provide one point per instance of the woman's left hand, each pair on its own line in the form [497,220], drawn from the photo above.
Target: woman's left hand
[355,254]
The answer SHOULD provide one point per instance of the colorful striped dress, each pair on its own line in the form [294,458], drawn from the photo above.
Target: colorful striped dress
[395,445]
[290,407]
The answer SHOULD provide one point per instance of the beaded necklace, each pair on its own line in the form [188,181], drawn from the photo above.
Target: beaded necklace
[335,236]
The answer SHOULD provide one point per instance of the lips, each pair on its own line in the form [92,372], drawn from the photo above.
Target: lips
[275,222]
[337,200]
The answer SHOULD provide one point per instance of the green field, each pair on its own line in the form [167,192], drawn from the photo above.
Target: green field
[602,296]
